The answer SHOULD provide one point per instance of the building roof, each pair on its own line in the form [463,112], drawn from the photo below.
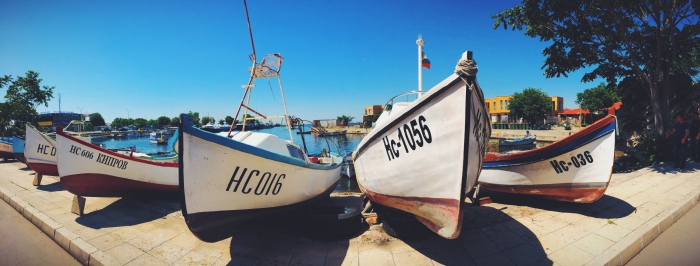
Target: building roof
[575,111]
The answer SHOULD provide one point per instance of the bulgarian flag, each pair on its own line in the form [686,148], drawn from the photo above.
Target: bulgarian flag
[425,62]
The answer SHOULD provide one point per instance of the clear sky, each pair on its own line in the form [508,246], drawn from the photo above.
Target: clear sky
[167,57]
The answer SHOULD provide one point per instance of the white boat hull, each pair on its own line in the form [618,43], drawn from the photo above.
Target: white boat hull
[428,179]
[88,170]
[227,185]
[575,169]
[40,151]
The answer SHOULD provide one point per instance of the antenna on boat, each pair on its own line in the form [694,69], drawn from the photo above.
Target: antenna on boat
[252,73]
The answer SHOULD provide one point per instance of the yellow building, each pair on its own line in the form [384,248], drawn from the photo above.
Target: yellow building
[498,108]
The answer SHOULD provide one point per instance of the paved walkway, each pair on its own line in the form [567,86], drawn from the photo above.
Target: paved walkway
[514,230]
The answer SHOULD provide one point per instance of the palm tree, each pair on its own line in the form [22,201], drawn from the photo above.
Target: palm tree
[344,120]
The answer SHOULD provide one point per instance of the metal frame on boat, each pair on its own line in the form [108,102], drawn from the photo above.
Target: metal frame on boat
[89,170]
[423,157]
[574,169]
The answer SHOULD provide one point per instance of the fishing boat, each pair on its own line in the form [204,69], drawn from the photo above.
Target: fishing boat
[527,140]
[231,180]
[574,169]
[18,148]
[6,149]
[424,156]
[322,132]
[40,151]
[92,171]
[159,137]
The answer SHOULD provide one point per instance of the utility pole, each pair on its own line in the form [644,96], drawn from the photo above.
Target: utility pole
[127,113]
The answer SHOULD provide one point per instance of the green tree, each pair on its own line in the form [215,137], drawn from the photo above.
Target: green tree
[644,39]
[195,118]
[221,121]
[175,121]
[532,105]
[344,120]
[153,122]
[376,115]
[163,121]
[207,119]
[597,98]
[97,120]
[229,120]
[119,122]
[22,97]
[140,122]
[87,126]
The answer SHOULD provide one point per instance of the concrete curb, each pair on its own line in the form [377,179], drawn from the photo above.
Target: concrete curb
[71,243]
[625,249]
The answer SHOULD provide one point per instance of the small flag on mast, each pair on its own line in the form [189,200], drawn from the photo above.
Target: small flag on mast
[425,62]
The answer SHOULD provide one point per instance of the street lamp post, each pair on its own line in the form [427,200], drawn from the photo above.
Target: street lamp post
[127,114]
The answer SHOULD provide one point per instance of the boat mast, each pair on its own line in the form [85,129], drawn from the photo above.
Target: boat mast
[252,72]
[420,44]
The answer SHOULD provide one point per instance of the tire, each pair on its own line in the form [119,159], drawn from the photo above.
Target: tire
[334,221]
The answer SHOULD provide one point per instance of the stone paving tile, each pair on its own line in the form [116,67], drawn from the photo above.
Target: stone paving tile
[525,254]
[313,249]
[186,240]
[215,250]
[411,258]
[613,232]
[124,253]
[594,244]
[194,258]
[629,222]
[551,243]
[310,260]
[376,259]
[340,250]
[146,259]
[346,261]
[374,249]
[105,242]
[507,240]
[495,260]
[571,255]
[480,248]
[168,252]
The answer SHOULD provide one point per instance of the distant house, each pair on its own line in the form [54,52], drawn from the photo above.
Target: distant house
[325,123]
[499,109]
[370,111]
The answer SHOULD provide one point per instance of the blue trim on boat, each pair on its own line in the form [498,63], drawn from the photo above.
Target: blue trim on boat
[17,144]
[583,140]
[239,146]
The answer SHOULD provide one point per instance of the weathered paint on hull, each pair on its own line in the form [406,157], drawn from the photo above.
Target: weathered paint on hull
[579,193]
[100,185]
[44,169]
[448,209]
[6,155]
[215,226]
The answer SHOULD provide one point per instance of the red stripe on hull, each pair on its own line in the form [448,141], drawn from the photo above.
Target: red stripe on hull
[448,209]
[99,185]
[44,168]
[579,193]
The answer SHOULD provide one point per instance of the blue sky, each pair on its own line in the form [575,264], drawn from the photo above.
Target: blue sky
[167,57]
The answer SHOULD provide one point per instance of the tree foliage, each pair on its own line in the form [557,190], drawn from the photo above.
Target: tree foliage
[644,39]
[97,120]
[532,105]
[121,122]
[175,121]
[208,119]
[221,121]
[597,98]
[22,97]
[195,118]
[344,120]
[163,121]
[229,120]
[140,122]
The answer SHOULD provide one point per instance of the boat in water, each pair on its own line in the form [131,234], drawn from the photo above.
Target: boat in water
[18,148]
[92,171]
[424,156]
[574,169]
[527,140]
[40,151]
[159,137]
[6,149]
